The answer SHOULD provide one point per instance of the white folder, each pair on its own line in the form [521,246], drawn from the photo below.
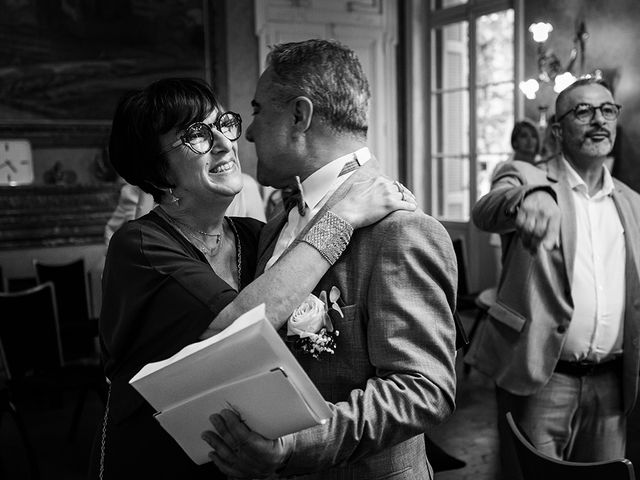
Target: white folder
[247,368]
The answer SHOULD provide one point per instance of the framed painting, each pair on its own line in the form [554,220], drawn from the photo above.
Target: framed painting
[63,66]
[65,63]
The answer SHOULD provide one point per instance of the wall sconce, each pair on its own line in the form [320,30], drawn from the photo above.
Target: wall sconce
[550,69]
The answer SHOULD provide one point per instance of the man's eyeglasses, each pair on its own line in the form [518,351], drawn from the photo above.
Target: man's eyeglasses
[199,136]
[584,112]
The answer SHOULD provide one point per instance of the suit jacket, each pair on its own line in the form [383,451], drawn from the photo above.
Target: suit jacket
[521,343]
[392,375]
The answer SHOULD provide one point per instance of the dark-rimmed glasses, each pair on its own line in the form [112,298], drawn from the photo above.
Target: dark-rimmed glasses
[584,112]
[199,136]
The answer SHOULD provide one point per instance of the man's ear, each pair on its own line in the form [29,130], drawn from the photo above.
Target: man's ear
[302,113]
[556,131]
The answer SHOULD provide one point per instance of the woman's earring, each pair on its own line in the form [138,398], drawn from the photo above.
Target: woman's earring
[174,199]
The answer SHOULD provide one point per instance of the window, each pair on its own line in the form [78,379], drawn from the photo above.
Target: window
[472,100]
[440,4]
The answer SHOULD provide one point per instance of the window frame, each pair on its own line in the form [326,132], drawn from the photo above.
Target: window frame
[468,12]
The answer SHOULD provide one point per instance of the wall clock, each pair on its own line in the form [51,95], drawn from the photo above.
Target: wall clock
[16,162]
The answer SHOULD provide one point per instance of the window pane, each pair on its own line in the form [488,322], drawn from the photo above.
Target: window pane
[450,122]
[440,4]
[495,47]
[451,185]
[486,166]
[494,93]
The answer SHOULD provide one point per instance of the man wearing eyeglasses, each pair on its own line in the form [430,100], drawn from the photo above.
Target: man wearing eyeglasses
[562,339]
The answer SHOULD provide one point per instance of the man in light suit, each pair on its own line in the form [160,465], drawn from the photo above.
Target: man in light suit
[392,374]
[562,341]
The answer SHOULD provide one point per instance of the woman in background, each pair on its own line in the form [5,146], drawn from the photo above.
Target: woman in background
[525,141]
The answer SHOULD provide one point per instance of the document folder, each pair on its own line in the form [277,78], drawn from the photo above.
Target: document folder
[247,368]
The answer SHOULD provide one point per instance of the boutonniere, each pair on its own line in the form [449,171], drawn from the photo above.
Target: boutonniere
[311,322]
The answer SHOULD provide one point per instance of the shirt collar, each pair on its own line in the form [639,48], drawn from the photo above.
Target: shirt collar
[319,183]
[577,183]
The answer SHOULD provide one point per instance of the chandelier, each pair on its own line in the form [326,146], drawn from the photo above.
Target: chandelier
[551,72]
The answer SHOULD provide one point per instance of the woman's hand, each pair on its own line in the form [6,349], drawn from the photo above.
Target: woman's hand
[371,200]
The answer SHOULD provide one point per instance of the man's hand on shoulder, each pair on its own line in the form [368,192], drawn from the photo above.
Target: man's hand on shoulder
[538,221]
[239,452]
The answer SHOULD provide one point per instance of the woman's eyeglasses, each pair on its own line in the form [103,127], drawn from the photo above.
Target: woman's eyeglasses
[199,136]
[584,112]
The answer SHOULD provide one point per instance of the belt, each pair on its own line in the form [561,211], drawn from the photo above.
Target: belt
[580,369]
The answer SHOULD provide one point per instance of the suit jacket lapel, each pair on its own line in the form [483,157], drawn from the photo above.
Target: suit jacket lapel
[557,175]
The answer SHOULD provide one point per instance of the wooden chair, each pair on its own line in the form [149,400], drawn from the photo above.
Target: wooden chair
[536,465]
[33,360]
[78,330]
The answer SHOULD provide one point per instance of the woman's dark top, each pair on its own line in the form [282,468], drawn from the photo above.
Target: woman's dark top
[159,295]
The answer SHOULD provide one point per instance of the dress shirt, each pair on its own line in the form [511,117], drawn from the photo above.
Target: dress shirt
[316,190]
[598,283]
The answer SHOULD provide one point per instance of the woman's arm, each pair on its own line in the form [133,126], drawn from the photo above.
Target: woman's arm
[290,280]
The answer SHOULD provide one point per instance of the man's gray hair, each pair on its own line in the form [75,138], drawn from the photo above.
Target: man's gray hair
[581,82]
[327,73]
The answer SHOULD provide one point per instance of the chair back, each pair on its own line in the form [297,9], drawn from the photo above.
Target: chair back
[463,284]
[17,284]
[536,465]
[70,282]
[29,331]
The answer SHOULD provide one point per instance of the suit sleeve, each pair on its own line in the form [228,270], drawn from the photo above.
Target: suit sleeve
[411,342]
[512,182]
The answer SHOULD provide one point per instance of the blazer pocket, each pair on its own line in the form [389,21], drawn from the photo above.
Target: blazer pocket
[349,312]
[352,333]
[507,316]
[351,362]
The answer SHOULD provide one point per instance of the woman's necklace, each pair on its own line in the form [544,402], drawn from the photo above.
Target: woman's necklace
[192,235]
[204,247]
[238,252]
[216,248]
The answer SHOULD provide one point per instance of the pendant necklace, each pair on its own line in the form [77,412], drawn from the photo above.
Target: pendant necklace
[192,235]
[204,248]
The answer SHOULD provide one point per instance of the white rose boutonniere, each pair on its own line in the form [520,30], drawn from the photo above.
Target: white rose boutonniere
[311,323]
[308,318]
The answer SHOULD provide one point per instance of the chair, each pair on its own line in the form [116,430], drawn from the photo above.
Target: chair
[466,299]
[32,353]
[7,405]
[484,300]
[478,302]
[536,465]
[78,330]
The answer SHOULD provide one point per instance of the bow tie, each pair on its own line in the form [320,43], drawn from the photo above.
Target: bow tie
[293,195]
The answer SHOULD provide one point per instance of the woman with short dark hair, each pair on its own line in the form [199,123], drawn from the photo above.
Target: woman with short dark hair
[184,271]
